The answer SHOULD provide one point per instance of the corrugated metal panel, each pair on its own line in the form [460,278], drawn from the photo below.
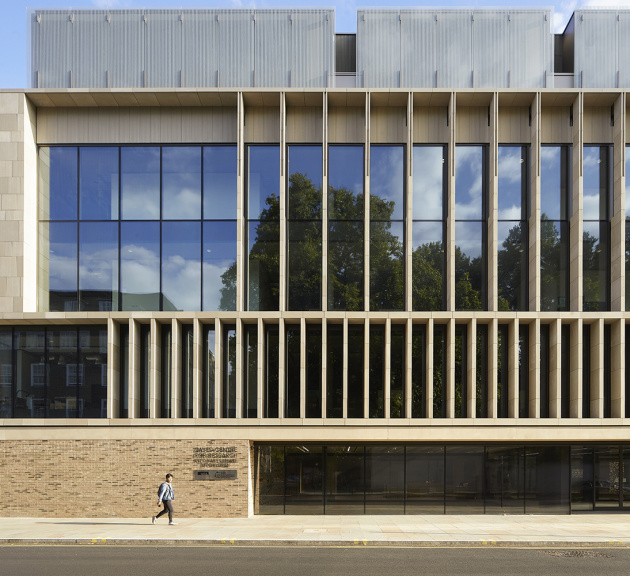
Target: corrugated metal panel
[236,48]
[34,63]
[624,51]
[272,41]
[125,60]
[55,55]
[418,52]
[454,49]
[89,49]
[596,49]
[490,54]
[163,53]
[531,49]
[200,54]
[378,48]
[312,48]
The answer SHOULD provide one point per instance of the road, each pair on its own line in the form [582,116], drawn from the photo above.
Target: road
[109,560]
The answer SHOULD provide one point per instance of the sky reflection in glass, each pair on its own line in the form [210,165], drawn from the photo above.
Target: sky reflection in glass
[219,182]
[62,202]
[345,170]
[553,198]
[140,265]
[140,168]
[181,183]
[428,182]
[387,172]
[510,198]
[98,189]
[263,178]
[98,265]
[219,255]
[595,194]
[469,163]
[63,256]
[181,266]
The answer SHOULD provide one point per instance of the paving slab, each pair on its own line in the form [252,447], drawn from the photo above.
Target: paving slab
[577,530]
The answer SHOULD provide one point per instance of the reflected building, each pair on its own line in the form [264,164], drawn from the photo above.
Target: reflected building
[361,279]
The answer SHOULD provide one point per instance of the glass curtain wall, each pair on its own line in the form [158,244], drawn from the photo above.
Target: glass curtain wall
[304,228]
[597,210]
[434,479]
[346,210]
[512,227]
[428,228]
[263,227]
[137,228]
[471,186]
[387,231]
[555,193]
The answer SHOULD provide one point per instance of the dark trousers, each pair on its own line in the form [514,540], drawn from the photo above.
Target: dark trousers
[168,507]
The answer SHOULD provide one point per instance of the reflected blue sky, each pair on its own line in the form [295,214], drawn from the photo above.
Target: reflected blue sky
[219,253]
[181,183]
[140,259]
[428,182]
[63,183]
[308,161]
[63,255]
[551,204]
[219,182]
[510,183]
[468,182]
[140,179]
[98,189]
[181,266]
[426,232]
[345,168]
[263,178]
[594,205]
[387,176]
[98,256]
[468,238]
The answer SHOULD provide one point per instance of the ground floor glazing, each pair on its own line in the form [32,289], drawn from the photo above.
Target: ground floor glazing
[415,478]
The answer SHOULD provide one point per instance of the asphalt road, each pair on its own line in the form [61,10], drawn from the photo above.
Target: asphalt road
[109,560]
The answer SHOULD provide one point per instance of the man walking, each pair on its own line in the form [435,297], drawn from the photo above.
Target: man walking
[166,495]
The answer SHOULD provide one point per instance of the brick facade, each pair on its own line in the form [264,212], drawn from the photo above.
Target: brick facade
[91,478]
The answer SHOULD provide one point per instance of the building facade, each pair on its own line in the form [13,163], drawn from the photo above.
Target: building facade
[316,274]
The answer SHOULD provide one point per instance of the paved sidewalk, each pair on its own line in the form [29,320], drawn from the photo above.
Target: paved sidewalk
[608,530]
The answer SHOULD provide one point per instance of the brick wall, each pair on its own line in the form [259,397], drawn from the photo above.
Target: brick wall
[95,479]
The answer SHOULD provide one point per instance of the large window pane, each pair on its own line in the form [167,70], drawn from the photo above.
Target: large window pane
[356,371]
[464,480]
[313,371]
[65,376]
[470,281]
[292,373]
[30,373]
[345,228]
[334,371]
[505,480]
[272,377]
[377,371]
[345,486]
[140,181]
[470,183]
[270,473]
[386,266]
[58,183]
[554,182]
[304,228]
[181,183]
[385,480]
[181,267]
[397,371]
[304,480]
[425,480]
[418,371]
[304,258]
[61,264]
[263,229]
[250,388]
[140,266]
[429,280]
[98,266]
[219,266]
[428,182]
[93,363]
[98,187]
[547,480]
[219,182]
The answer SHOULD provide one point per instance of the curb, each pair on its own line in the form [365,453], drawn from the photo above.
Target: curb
[311,543]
